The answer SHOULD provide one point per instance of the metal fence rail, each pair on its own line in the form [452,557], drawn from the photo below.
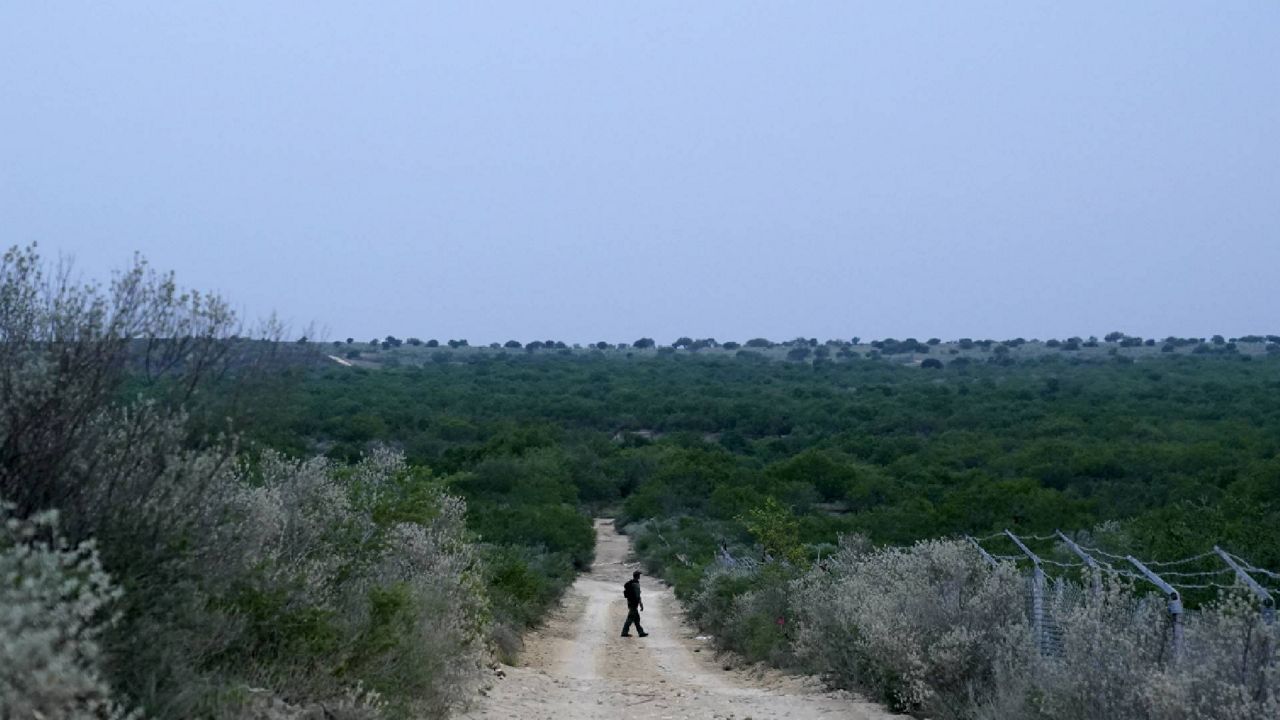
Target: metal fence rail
[1067,573]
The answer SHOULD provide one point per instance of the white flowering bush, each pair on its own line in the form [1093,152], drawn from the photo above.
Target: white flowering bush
[54,599]
[1116,660]
[360,575]
[935,631]
[234,590]
[922,627]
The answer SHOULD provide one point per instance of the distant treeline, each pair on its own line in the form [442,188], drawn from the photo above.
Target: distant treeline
[1117,344]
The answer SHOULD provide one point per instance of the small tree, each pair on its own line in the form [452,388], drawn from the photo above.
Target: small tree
[776,529]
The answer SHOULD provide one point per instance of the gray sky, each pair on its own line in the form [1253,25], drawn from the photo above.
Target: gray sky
[606,170]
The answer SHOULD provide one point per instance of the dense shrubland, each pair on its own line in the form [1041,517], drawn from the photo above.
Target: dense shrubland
[148,565]
[933,630]
[315,549]
[1178,450]
[770,463]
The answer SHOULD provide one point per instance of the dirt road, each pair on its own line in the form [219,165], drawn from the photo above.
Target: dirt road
[578,666]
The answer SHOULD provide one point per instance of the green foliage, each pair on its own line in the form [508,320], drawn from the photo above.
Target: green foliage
[523,584]
[555,529]
[202,573]
[276,629]
[858,446]
[776,529]
[704,454]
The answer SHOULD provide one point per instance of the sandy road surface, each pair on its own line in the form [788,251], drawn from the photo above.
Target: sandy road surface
[578,666]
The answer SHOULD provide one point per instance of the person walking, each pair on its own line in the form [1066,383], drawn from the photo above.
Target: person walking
[635,606]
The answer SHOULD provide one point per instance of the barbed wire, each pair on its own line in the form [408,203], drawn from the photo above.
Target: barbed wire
[1183,561]
[1036,537]
[1204,586]
[1103,553]
[1198,573]
[1058,563]
[1173,571]
[1250,568]
[1110,569]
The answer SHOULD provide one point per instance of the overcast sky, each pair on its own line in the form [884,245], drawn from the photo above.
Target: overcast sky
[606,170]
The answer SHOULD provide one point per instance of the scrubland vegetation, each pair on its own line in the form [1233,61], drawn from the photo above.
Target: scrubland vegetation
[199,519]
[148,566]
[849,462]
[932,630]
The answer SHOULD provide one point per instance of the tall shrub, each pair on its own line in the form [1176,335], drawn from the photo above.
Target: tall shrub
[316,582]
[52,601]
[1116,660]
[921,627]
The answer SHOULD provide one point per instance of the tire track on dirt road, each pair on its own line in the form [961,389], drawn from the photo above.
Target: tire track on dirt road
[577,667]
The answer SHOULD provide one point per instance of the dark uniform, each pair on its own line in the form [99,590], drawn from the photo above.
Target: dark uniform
[631,591]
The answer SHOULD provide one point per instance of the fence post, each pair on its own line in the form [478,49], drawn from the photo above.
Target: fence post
[1175,602]
[1268,602]
[1037,592]
[985,555]
[1095,582]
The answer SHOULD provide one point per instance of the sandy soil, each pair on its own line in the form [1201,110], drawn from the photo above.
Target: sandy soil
[578,666]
